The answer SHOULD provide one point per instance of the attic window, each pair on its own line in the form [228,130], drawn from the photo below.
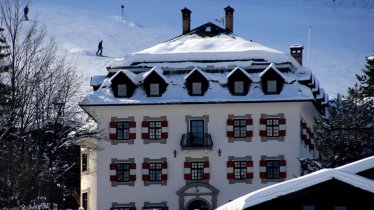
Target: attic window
[208,29]
[154,89]
[196,88]
[271,86]
[239,87]
[122,90]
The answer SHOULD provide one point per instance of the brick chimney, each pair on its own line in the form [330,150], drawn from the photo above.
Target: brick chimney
[186,20]
[296,51]
[229,22]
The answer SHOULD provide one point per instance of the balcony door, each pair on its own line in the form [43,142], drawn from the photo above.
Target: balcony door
[197,132]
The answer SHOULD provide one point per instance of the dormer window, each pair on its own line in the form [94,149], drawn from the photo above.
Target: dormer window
[154,89]
[122,90]
[238,87]
[271,86]
[196,88]
[238,82]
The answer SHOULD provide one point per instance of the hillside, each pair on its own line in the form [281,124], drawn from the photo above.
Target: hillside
[339,41]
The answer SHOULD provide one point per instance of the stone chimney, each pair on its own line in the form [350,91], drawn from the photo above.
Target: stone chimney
[229,22]
[296,51]
[186,20]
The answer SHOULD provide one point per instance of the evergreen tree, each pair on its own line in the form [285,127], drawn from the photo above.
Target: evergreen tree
[366,80]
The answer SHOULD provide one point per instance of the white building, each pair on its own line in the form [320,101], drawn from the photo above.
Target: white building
[197,121]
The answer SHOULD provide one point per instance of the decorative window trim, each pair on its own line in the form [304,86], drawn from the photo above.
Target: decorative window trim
[188,118]
[188,171]
[164,171]
[164,129]
[282,168]
[282,127]
[113,170]
[130,205]
[113,130]
[163,205]
[230,128]
[230,169]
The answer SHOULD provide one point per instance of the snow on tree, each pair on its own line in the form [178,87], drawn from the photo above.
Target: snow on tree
[38,113]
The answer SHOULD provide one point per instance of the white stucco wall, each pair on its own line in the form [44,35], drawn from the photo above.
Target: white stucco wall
[104,194]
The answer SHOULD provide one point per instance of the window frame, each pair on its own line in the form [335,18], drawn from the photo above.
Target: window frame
[272,128]
[271,86]
[125,172]
[84,161]
[122,90]
[240,169]
[155,171]
[239,130]
[152,89]
[155,130]
[124,130]
[85,200]
[236,83]
[273,170]
[196,88]
[197,171]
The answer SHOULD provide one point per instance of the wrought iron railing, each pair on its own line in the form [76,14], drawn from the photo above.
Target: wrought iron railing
[196,141]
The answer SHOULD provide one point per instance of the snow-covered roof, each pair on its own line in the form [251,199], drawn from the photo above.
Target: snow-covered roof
[133,77]
[293,185]
[96,80]
[158,71]
[287,79]
[358,166]
[254,79]
[193,71]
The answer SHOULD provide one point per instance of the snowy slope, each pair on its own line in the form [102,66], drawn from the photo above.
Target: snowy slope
[339,41]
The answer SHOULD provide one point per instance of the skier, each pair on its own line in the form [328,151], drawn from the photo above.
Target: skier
[100,48]
[25,12]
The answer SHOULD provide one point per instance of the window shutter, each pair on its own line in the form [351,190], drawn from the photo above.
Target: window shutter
[230,170]
[132,171]
[282,127]
[249,127]
[249,169]
[263,127]
[263,169]
[112,130]
[283,169]
[145,171]
[132,130]
[230,128]
[187,171]
[164,127]
[164,175]
[145,130]
[113,172]
[206,170]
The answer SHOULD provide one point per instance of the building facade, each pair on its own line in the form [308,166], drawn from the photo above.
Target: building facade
[197,121]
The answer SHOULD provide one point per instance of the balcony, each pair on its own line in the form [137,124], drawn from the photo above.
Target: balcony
[195,141]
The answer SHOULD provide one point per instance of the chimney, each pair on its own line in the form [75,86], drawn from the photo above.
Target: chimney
[229,19]
[186,20]
[296,51]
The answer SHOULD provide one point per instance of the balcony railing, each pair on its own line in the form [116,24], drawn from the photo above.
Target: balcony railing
[193,141]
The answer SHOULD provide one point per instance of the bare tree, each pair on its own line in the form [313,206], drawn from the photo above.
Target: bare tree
[40,112]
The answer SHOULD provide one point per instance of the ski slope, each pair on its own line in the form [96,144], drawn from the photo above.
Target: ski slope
[339,40]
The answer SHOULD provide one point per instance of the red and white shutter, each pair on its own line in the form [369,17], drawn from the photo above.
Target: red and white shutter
[145,171]
[312,141]
[187,171]
[112,130]
[206,170]
[164,175]
[283,169]
[164,131]
[230,128]
[132,130]
[230,169]
[263,169]
[263,127]
[249,169]
[132,172]
[113,172]
[145,130]
[249,127]
[304,133]
[282,127]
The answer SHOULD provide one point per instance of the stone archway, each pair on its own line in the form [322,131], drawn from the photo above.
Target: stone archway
[198,194]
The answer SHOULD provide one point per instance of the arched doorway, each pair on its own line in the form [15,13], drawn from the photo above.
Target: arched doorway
[198,205]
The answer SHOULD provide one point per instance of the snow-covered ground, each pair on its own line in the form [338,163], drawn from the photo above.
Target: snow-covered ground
[339,41]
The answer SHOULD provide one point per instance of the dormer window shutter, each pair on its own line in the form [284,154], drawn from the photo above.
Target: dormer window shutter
[145,130]
[112,131]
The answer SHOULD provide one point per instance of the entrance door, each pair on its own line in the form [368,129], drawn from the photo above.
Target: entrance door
[198,205]
[197,132]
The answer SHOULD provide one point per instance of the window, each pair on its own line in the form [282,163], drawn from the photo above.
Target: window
[272,169]
[238,87]
[309,207]
[271,86]
[240,128]
[155,171]
[123,172]
[197,170]
[122,90]
[84,162]
[123,130]
[240,170]
[197,132]
[196,88]
[85,200]
[272,127]
[155,130]
[340,208]
[154,89]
